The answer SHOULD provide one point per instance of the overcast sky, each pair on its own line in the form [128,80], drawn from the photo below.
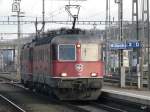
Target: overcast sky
[89,8]
[55,10]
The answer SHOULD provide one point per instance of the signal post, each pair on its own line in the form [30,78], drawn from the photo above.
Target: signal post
[16,9]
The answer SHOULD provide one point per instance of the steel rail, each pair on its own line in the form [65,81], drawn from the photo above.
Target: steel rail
[107,107]
[75,107]
[12,103]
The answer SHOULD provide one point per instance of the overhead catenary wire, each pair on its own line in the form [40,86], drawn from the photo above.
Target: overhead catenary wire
[62,8]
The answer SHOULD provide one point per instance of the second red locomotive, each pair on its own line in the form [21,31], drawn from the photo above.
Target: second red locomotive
[68,65]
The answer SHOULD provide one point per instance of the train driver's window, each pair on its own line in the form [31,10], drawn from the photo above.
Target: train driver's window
[90,52]
[66,52]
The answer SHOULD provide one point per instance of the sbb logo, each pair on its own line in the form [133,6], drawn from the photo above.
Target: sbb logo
[79,67]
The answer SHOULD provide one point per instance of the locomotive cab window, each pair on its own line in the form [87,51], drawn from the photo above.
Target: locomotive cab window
[66,52]
[90,52]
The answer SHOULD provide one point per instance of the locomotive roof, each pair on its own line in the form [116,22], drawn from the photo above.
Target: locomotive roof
[71,38]
[43,40]
[27,45]
[82,38]
[48,36]
[64,36]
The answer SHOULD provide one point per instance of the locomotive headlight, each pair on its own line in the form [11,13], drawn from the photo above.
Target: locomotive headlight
[78,45]
[93,74]
[63,74]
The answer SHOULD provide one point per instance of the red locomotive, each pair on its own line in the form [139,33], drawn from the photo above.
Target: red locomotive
[68,65]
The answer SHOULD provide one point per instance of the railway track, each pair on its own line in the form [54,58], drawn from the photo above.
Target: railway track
[122,105]
[95,107]
[75,107]
[107,107]
[30,101]
[88,108]
[15,107]
[105,104]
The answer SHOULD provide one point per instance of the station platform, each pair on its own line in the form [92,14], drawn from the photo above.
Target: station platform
[12,76]
[132,95]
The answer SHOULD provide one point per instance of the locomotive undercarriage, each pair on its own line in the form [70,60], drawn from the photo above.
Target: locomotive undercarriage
[74,94]
[69,88]
[78,89]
